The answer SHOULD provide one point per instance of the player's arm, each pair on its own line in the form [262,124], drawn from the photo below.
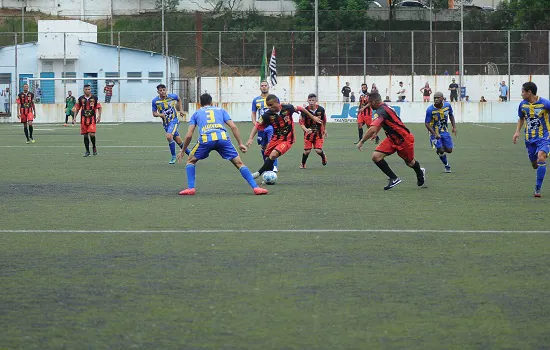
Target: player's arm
[452,119]
[306,112]
[236,134]
[428,123]
[370,134]
[33,108]
[76,109]
[187,140]
[324,125]
[519,125]
[253,133]
[18,101]
[99,110]
[302,124]
[254,113]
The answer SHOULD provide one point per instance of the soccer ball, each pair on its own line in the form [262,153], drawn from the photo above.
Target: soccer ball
[270,177]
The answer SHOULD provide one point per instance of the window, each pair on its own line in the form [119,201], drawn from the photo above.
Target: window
[134,75]
[5,78]
[69,75]
[47,66]
[113,75]
[159,75]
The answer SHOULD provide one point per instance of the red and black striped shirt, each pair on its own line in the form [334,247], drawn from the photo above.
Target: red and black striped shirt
[364,104]
[283,125]
[26,102]
[388,119]
[317,129]
[89,106]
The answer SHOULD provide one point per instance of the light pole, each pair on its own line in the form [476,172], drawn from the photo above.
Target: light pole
[317,47]
[162,16]
[431,38]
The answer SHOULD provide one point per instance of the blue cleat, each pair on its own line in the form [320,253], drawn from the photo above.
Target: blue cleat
[173,160]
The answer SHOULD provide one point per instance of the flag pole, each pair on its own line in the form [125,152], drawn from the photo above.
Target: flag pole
[265,55]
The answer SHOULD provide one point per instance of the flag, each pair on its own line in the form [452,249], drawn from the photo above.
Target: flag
[263,66]
[273,68]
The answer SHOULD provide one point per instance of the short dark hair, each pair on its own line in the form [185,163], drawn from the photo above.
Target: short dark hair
[374,96]
[400,82]
[530,86]
[311,96]
[264,81]
[271,98]
[364,84]
[161,86]
[206,99]
[86,85]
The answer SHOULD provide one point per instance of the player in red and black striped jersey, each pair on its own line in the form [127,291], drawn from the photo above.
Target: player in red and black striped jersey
[364,113]
[279,116]
[314,133]
[398,139]
[90,115]
[26,111]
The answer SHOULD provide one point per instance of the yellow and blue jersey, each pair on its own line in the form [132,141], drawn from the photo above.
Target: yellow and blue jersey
[211,123]
[438,117]
[167,106]
[259,106]
[536,116]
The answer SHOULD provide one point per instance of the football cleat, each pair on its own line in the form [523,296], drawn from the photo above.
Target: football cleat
[65,124]
[188,192]
[537,193]
[377,140]
[27,142]
[447,168]
[392,183]
[302,166]
[275,169]
[87,154]
[95,151]
[173,160]
[256,174]
[421,180]
[324,160]
[259,191]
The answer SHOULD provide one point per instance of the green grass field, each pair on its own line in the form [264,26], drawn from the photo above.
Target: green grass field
[101,252]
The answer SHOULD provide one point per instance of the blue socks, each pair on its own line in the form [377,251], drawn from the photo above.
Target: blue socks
[443,159]
[276,162]
[190,169]
[541,171]
[246,174]
[181,147]
[263,156]
[172,146]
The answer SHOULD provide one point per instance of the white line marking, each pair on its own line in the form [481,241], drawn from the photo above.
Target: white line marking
[487,126]
[275,231]
[26,146]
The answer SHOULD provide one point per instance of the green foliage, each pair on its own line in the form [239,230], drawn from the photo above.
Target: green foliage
[526,14]
[169,5]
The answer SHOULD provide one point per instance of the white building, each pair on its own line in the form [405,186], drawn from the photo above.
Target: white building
[69,49]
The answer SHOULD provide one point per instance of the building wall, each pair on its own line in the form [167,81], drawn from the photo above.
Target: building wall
[243,89]
[60,39]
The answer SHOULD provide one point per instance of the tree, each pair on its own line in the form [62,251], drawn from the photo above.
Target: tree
[169,5]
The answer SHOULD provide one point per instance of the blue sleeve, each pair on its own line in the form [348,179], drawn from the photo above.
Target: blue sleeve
[226,116]
[173,96]
[193,120]
[546,104]
[521,115]
[154,105]
[254,108]
[428,115]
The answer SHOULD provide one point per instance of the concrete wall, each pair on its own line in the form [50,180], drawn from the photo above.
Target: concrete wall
[60,39]
[412,112]
[244,89]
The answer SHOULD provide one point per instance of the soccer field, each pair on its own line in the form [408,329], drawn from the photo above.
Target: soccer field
[101,252]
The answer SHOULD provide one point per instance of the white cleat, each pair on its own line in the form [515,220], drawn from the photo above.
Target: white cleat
[256,175]
[275,169]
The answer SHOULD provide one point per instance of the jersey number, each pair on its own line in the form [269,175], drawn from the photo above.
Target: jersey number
[210,115]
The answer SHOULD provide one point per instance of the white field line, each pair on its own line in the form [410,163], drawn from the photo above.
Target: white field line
[487,126]
[279,231]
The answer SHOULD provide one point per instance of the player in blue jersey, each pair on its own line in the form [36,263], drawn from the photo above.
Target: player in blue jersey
[168,107]
[437,117]
[259,107]
[534,112]
[213,136]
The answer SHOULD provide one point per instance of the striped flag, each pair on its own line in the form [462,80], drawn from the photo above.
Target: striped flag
[273,68]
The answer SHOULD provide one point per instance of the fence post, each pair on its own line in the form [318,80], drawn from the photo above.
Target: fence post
[118,65]
[461,62]
[15,90]
[364,56]
[412,66]
[220,66]
[166,58]
[509,63]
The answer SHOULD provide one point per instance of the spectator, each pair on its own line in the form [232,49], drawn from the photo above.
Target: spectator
[3,100]
[374,89]
[346,90]
[402,93]
[387,99]
[426,92]
[445,72]
[37,93]
[453,88]
[108,90]
[482,99]
[7,101]
[352,97]
[503,90]
[467,99]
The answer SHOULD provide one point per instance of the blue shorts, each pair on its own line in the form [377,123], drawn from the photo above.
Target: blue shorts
[264,136]
[535,146]
[224,147]
[172,128]
[446,141]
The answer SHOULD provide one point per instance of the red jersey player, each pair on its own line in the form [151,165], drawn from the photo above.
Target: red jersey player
[280,117]
[90,115]
[364,114]
[26,111]
[398,139]
[314,133]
